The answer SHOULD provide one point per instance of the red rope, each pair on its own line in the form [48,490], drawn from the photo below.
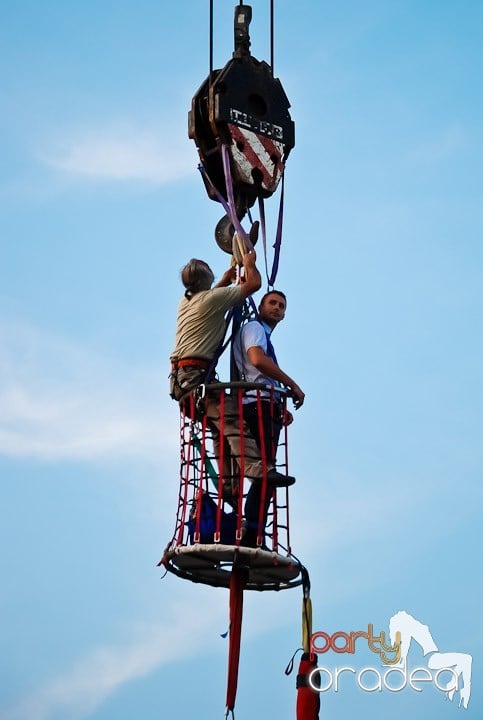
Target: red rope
[241,465]
[263,455]
[221,464]
[237,584]
[242,433]
[185,461]
[199,497]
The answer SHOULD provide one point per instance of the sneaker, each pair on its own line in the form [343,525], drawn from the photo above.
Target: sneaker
[278,480]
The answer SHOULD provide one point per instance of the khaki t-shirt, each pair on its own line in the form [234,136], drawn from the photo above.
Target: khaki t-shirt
[201,322]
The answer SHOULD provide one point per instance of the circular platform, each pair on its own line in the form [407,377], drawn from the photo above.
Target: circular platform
[212,565]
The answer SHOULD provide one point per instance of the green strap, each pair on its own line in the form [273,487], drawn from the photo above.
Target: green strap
[208,464]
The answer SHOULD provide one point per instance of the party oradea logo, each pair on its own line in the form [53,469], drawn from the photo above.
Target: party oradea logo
[449,672]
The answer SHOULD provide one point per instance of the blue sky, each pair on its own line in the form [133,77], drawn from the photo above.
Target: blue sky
[100,205]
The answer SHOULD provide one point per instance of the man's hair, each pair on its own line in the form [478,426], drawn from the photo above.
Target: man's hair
[272,292]
[196,276]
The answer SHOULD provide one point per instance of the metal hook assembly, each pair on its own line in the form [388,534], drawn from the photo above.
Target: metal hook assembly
[244,108]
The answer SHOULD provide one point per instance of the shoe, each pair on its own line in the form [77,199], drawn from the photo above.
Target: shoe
[249,540]
[278,480]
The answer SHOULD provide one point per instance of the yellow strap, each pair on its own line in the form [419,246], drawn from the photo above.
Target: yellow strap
[306,623]
[238,249]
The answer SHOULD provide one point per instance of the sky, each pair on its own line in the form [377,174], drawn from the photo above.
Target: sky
[101,204]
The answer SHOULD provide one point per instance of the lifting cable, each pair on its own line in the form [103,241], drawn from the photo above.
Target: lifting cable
[271,34]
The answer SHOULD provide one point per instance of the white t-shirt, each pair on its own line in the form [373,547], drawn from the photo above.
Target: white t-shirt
[253,334]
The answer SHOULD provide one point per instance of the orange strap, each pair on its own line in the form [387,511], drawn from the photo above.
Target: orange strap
[186,362]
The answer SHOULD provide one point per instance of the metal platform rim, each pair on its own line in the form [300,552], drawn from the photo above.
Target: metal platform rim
[211,564]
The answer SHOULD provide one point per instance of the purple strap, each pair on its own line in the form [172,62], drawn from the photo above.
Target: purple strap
[219,196]
[231,200]
[230,210]
[261,209]
[253,306]
[278,238]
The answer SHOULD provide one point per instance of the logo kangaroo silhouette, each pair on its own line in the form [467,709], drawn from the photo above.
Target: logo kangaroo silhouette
[460,663]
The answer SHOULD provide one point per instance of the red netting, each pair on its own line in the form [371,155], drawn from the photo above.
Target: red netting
[235,513]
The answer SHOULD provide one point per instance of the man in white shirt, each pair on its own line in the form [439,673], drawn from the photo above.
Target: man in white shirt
[256,362]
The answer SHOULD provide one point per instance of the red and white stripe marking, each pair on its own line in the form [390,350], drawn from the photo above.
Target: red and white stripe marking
[250,151]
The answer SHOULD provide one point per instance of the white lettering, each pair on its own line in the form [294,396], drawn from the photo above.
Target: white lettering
[339,671]
[252,123]
[395,670]
[447,687]
[428,677]
[379,679]
[332,679]
[312,682]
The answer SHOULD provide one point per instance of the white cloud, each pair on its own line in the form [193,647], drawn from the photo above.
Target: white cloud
[59,401]
[80,690]
[119,153]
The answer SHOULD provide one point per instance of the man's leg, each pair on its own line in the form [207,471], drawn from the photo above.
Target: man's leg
[267,433]
[237,436]
[266,436]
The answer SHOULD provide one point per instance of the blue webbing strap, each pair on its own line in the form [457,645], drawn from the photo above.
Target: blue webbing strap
[220,349]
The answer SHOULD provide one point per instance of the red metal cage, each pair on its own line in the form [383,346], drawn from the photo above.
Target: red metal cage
[217,451]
